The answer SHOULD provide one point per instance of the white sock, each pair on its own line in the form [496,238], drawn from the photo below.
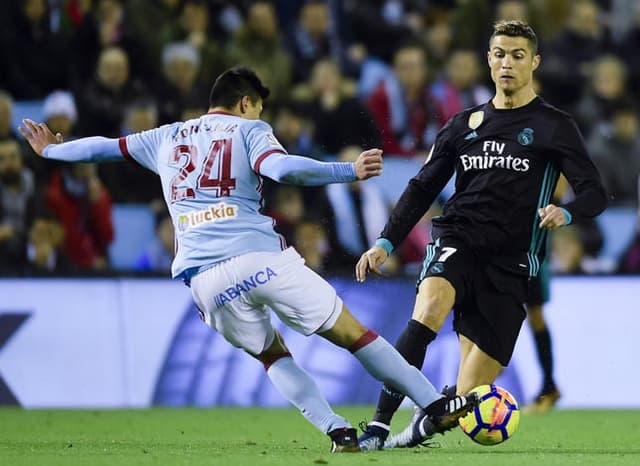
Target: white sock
[301,391]
[384,363]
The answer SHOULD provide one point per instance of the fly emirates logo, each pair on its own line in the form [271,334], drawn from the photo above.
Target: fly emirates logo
[493,157]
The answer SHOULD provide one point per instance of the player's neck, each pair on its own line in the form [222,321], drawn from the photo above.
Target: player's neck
[228,111]
[518,99]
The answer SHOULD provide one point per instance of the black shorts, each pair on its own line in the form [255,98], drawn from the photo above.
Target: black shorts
[489,306]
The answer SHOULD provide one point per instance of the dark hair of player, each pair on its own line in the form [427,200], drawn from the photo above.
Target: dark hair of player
[515,28]
[234,84]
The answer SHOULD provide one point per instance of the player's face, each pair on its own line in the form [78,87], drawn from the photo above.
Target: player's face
[512,63]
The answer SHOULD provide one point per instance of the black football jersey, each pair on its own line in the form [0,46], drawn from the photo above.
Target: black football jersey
[507,163]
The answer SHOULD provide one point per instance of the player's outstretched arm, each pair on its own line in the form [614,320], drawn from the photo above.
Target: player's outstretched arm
[91,149]
[38,135]
[298,170]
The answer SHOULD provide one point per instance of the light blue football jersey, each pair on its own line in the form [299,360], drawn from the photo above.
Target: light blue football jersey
[209,169]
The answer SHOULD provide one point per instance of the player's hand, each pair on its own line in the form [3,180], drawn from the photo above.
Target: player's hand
[368,164]
[551,217]
[38,135]
[370,260]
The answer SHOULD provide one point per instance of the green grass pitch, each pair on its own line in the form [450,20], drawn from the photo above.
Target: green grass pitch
[281,437]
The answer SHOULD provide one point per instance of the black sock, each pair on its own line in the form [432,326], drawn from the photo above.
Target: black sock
[545,357]
[412,345]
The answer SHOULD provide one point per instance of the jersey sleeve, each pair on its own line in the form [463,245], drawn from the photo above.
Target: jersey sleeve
[303,171]
[574,162]
[422,189]
[143,147]
[260,143]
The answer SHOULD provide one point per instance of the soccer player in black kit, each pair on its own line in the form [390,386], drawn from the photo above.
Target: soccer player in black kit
[507,155]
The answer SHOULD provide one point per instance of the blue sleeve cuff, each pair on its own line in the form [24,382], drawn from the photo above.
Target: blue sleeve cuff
[567,216]
[345,172]
[44,152]
[385,244]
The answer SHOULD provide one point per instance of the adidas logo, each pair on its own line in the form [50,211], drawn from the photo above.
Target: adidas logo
[456,404]
[471,135]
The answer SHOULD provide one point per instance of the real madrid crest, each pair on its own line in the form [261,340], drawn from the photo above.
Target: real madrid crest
[525,137]
[476,119]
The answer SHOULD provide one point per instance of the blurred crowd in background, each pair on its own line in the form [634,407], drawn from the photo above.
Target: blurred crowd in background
[344,74]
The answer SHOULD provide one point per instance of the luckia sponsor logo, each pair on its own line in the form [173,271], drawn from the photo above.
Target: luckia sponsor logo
[215,213]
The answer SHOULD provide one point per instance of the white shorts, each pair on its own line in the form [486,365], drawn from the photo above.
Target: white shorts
[235,297]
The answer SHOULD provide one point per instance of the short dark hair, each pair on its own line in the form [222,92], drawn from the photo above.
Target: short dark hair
[515,28]
[234,84]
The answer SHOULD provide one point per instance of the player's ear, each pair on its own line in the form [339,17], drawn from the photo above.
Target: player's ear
[489,58]
[244,103]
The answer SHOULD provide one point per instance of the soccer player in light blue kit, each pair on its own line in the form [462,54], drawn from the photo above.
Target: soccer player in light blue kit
[237,266]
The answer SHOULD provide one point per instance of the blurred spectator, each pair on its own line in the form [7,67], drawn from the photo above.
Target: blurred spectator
[471,20]
[309,239]
[606,92]
[141,115]
[193,28]
[583,241]
[549,17]
[83,206]
[407,115]
[130,182]
[512,9]
[17,203]
[567,58]
[227,18]
[375,30]
[6,115]
[567,252]
[158,255]
[105,98]
[410,254]
[44,249]
[179,87]
[287,209]
[34,59]
[194,110]
[615,149]
[106,25]
[60,114]
[312,39]
[630,261]
[294,132]
[460,87]
[257,44]
[438,38]
[380,26]
[339,119]
[628,51]
[353,215]
[67,15]
[155,23]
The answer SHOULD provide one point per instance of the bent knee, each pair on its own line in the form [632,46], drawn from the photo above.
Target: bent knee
[273,351]
[346,331]
[435,300]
